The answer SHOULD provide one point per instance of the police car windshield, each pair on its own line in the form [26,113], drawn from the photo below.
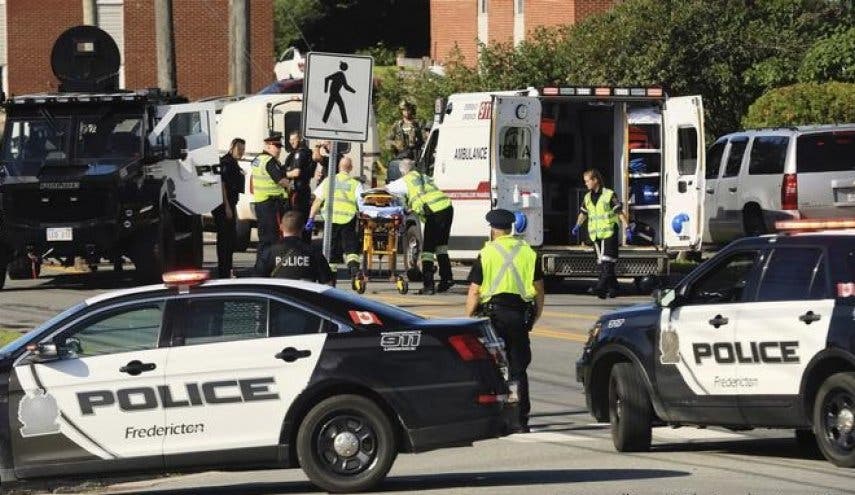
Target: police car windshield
[15,345]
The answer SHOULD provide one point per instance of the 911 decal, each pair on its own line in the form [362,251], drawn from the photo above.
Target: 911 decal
[400,341]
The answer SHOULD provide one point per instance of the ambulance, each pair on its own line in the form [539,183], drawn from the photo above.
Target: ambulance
[526,150]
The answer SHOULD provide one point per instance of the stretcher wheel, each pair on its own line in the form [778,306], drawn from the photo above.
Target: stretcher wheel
[402,285]
[358,283]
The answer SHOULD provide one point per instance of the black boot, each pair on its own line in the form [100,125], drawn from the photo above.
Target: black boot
[611,279]
[446,278]
[599,289]
[427,272]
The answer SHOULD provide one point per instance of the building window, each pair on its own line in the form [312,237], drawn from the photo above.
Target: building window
[520,6]
[482,6]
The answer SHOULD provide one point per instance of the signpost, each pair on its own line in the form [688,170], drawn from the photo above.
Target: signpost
[336,107]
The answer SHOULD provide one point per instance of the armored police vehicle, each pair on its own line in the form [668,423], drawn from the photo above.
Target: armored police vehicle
[760,336]
[250,373]
[97,172]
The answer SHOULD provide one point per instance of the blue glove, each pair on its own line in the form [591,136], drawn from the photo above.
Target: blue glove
[629,234]
[310,225]
[575,230]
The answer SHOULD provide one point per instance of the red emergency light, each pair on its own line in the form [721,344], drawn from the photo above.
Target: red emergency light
[186,278]
[815,224]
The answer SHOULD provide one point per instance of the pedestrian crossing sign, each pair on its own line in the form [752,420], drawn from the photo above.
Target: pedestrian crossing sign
[337,96]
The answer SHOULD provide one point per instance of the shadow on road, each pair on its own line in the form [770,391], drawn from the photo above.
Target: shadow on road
[782,448]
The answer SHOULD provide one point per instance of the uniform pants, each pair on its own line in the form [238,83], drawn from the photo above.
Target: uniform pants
[268,213]
[435,247]
[344,243]
[226,237]
[607,259]
[301,200]
[511,325]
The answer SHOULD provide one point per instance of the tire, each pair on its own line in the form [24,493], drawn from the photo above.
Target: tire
[243,235]
[833,419]
[630,412]
[345,412]
[190,252]
[753,221]
[806,441]
[154,252]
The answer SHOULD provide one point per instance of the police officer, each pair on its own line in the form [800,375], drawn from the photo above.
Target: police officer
[406,136]
[602,209]
[346,203]
[434,210]
[299,167]
[292,257]
[270,190]
[506,284]
[225,215]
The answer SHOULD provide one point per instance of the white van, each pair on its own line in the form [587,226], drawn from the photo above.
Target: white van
[526,151]
[253,118]
[756,178]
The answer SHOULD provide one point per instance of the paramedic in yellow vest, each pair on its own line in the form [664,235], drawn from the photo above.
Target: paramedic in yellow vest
[506,284]
[434,210]
[604,213]
[346,203]
[269,191]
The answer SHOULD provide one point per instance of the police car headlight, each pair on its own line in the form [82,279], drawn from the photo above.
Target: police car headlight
[594,331]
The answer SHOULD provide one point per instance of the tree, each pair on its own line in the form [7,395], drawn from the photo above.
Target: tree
[803,104]
[288,16]
[830,59]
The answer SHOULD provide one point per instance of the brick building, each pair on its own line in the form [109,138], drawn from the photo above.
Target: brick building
[28,29]
[465,22]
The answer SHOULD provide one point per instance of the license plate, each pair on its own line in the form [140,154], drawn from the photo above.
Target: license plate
[59,234]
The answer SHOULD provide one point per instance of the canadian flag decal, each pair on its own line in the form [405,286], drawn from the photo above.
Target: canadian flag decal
[364,318]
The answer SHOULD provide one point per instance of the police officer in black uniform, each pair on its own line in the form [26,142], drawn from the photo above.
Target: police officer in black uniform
[299,167]
[506,285]
[292,257]
[225,215]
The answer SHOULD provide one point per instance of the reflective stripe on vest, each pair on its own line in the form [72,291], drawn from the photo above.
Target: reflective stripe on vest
[263,186]
[507,266]
[421,191]
[601,217]
[344,198]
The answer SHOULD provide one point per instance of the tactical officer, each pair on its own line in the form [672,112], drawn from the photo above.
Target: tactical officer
[346,203]
[602,209]
[225,215]
[434,210]
[270,190]
[300,168]
[506,285]
[406,136]
[292,257]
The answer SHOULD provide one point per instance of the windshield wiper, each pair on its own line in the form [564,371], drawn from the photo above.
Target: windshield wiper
[52,122]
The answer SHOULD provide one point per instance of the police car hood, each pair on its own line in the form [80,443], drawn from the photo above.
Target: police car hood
[638,315]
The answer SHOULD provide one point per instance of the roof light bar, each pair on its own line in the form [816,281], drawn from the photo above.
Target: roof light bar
[567,91]
[583,91]
[815,224]
[185,278]
[621,91]
[603,91]
[654,91]
[551,91]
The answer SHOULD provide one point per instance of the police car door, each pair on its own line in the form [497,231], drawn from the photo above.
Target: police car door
[696,354]
[97,405]
[786,325]
[515,161]
[184,135]
[237,363]
[683,183]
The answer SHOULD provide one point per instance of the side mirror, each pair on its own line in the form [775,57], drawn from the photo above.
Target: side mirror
[665,298]
[178,148]
[44,352]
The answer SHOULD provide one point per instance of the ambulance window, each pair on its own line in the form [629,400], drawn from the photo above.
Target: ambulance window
[515,150]
[290,320]
[291,121]
[714,156]
[687,150]
[793,274]
[124,330]
[207,320]
[734,157]
[725,282]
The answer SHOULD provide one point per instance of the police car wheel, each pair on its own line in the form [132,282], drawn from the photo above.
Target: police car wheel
[834,419]
[806,441]
[630,411]
[346,444]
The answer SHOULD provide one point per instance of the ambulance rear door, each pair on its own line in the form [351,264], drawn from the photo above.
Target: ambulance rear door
[515,161]
[684,172]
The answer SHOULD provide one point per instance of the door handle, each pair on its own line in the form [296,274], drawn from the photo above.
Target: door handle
[718,321]
[136,367]
[731,189]
[710,191]
[809,317]
[682,186]
[290,354]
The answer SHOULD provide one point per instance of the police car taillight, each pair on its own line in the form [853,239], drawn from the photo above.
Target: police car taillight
[815,224]
[185,278]
[468,347]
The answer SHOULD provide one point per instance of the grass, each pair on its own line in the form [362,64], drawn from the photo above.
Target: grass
[7,336]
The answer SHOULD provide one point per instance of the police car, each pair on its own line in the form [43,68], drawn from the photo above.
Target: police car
[761,335]
[245,374]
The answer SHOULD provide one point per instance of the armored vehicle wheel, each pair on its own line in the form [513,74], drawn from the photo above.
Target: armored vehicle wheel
[154,253]
[243,235]
[834,419]
[189,251]
[346,444]
[24,268]
[630,411]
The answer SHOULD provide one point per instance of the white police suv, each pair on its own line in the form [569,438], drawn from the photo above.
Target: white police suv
[761,335]
[245,374]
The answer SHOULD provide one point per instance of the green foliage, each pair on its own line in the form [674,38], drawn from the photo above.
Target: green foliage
[830,59]
[7,336]
[288,16]
[383,55]
[803,104]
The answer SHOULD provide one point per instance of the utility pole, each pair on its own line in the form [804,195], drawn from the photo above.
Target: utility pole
[239,81]
[90,13]
[165,45]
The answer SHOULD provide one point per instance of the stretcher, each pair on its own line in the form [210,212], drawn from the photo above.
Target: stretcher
[381,219]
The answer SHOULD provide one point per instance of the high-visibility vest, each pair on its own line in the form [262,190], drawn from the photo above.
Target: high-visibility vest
[263,186]
[344,200]
[422,191]
[601,217]
[507,266]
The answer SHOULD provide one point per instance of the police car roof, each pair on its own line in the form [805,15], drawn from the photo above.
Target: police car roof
[265,282]
[801,237]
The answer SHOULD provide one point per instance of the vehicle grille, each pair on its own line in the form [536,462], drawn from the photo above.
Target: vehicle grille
[35,207]
[586,266]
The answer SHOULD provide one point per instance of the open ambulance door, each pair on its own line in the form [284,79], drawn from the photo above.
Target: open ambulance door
[185,136]
[683,203]
[515,161]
